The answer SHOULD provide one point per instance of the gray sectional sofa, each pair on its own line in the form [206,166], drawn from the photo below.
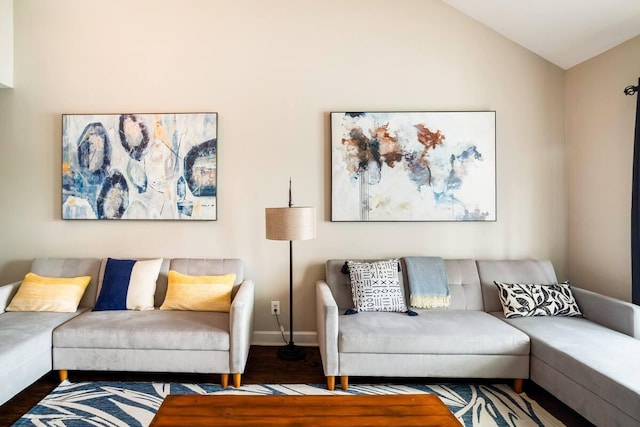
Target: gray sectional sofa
[591,363]
[33,343]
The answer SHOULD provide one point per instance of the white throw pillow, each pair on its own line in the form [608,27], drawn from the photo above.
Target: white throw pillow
[376,286]
[128,284]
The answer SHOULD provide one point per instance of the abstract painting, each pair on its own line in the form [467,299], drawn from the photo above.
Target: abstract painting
[413,166]
[139,166]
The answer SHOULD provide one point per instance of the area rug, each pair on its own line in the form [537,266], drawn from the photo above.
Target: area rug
[128,404]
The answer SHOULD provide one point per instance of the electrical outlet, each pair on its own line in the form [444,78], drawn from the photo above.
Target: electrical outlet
[275,307]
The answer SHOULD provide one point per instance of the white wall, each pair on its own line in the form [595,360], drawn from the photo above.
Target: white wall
[600,127]
[273,71]
[6,43]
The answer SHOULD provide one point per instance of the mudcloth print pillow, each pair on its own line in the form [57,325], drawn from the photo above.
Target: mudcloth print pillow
[375,286]
[525,300]
[128,284]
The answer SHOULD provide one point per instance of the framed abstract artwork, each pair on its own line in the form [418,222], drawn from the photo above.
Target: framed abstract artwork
[140,166]
[413,166]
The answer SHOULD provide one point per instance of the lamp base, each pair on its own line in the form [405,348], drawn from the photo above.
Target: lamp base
[291,352]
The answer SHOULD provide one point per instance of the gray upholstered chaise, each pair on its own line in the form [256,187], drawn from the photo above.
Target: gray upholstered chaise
[592,364]
[462,341]
[25,338]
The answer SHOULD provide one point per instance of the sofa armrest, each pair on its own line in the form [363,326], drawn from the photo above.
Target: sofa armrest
[327,325]
[241,326]
[613,313]
[6,294]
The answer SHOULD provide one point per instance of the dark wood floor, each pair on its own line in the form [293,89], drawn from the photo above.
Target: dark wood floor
[263,367]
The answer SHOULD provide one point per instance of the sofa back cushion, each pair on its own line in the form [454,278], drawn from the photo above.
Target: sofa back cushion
[203,267]
[94,267]
[539,272]
[462,276]
[71,267]
[464,285]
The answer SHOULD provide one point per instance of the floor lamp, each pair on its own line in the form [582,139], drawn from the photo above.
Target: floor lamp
[290,223]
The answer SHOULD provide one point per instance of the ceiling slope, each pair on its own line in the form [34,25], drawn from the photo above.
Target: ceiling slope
[564,32]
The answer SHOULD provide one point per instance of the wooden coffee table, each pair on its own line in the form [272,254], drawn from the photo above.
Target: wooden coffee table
[286,410]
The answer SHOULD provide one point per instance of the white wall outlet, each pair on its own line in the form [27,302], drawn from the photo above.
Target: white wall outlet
[275,307]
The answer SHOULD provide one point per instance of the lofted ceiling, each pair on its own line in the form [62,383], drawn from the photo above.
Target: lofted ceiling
[564,32]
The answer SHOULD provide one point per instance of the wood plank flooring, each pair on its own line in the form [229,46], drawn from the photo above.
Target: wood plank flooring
[263,367]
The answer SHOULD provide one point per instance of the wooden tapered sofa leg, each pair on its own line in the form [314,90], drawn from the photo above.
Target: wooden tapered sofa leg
[344,382]
[224,380]
[517,385]
[331,383]
[237,379]
[63,374]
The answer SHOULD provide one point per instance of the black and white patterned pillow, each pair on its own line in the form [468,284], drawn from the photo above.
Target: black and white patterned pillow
[525,300]
[375,286]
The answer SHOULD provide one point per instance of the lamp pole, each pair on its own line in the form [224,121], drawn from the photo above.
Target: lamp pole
[291,351]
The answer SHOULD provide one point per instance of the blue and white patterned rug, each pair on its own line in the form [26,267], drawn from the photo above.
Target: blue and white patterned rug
[122,404]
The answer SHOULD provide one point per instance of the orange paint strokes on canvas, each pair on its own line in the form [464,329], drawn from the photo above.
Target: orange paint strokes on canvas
[358,150]
[362,150]
[390,150]
[429,139]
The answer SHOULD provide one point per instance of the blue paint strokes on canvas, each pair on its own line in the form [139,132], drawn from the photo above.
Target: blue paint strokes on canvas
[142,175]
[134,135]
[181,188]
[94,150]
[114,197]
[185,207]
[200,169]
[455,179]
[137,175]
[175,144]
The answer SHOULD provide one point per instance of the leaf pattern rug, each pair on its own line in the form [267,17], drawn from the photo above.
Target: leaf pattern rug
[128,404]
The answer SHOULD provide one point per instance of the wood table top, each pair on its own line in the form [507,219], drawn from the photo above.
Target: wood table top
[310,410]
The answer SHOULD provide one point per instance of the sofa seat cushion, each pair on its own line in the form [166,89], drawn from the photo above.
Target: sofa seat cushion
[23,334]
[153,329]
[600,359]
[432,332]
[25,348]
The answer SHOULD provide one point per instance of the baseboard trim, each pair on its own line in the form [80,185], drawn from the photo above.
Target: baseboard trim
[273,338]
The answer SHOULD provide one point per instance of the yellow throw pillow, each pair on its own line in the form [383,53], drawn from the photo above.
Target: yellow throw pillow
[198,293]
[59,294]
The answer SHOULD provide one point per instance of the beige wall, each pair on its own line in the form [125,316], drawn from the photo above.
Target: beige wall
[600,123]
[273,70]
[6,43]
